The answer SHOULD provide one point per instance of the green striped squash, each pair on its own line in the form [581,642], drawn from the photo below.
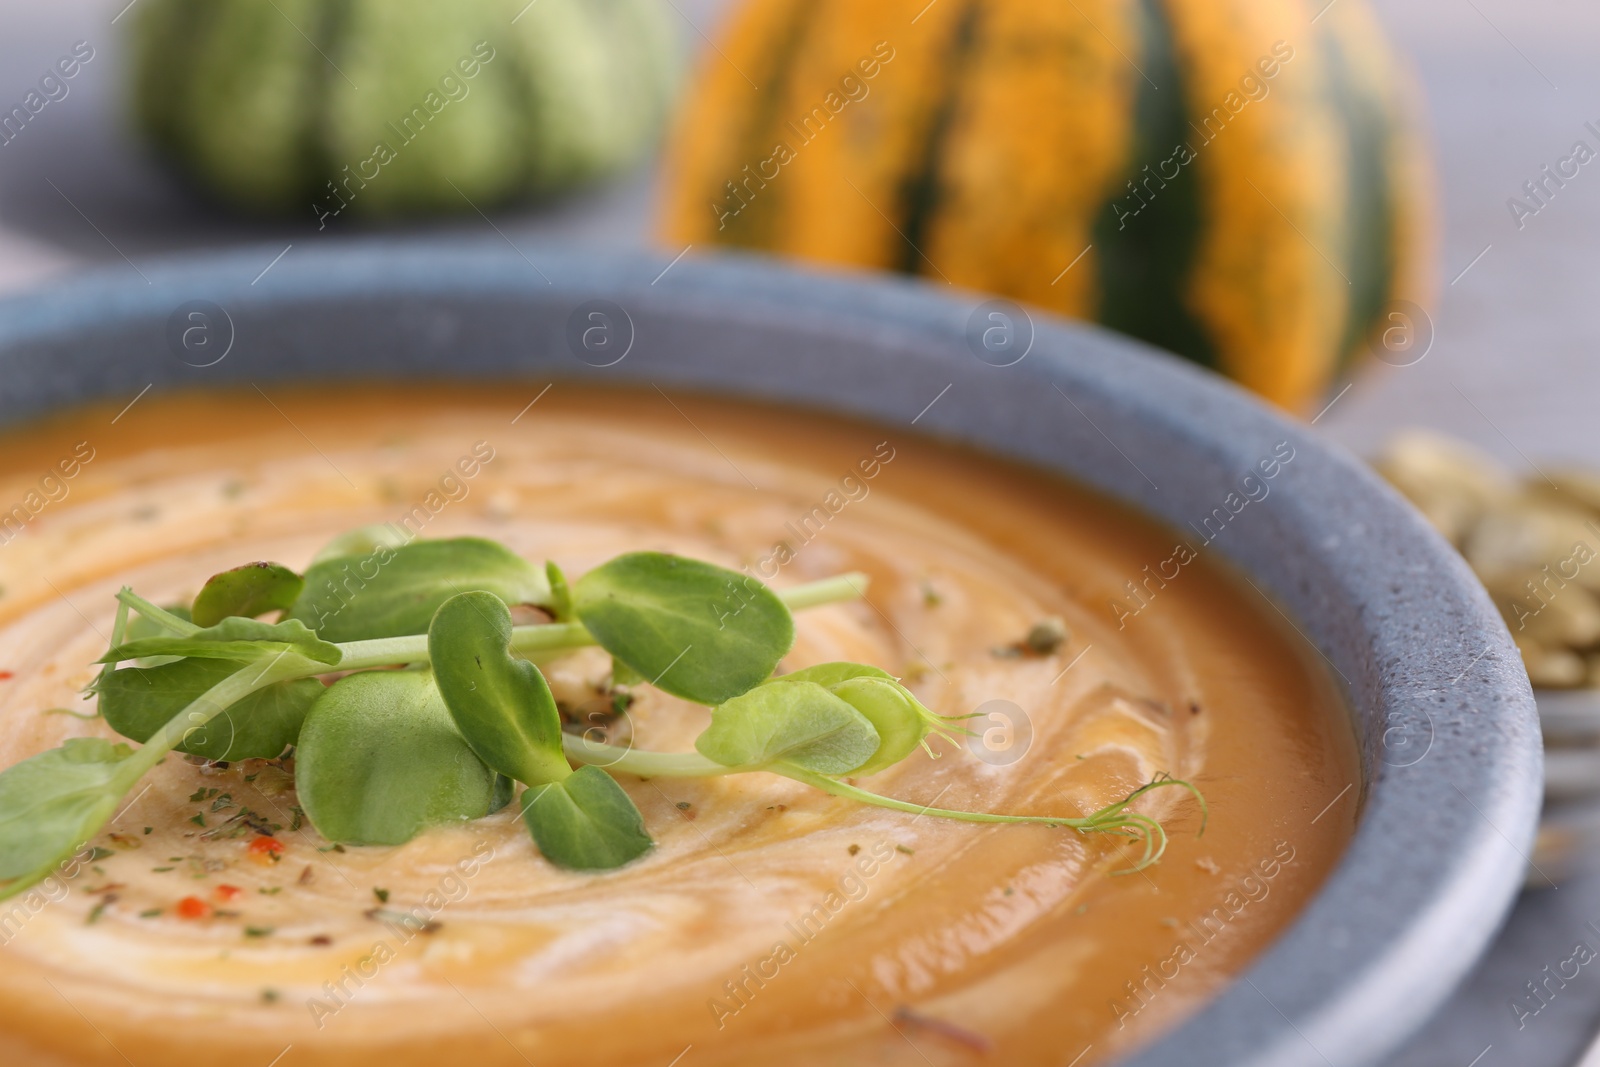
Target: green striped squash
[1238,181]
[382,107]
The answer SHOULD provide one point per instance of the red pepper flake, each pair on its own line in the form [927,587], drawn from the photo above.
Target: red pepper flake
[266,850]
[6,676]
[228,893]
[193,908]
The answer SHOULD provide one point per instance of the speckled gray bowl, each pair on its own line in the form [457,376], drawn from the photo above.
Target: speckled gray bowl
[1448,734]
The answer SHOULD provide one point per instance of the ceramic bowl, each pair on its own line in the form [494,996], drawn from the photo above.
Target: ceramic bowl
[1449,741]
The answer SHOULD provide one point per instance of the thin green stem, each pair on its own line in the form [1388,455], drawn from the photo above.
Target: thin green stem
[211,703]
[86,716]
[643,764]
[1166,781]
[1114,818]
[119,628]
[550,637]
[852,586]
[840,789]
[558,636]
[160,616]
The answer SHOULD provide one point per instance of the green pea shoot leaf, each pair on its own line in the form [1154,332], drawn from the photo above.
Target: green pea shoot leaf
[138,701]
[800,723]
[363,541]
[829,675]
[693,629]
[393,592]
[898,716]
[248,591]
[900,721]
[141,626]
[501,704]
[53,803]
[149,620]
[585,822]
[379,761]
[233,638]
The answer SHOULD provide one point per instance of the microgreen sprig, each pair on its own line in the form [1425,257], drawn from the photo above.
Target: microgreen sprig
[381,755]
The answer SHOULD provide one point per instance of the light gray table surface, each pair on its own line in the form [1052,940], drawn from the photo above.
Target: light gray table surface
[1509,84]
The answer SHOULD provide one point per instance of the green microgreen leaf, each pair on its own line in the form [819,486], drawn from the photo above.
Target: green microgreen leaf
[800,723]
[693,629]
[138,701]
[248,591]
[52,803]
[585,822]
[141,626]
[393,592]
[501,704]
[232,639]
[379,760]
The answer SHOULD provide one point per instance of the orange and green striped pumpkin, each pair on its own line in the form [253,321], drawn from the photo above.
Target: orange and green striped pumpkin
[1238,181]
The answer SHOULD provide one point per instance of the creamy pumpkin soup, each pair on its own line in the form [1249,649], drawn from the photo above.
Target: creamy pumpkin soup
[373,894]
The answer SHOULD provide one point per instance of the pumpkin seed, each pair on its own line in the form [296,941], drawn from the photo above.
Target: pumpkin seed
[1548,613]
[1535,546]
[1529,534]
[1450,482]
[1555,668]
[1574,488]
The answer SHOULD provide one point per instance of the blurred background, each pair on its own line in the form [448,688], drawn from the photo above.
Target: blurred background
[1507,86]
[1500,324]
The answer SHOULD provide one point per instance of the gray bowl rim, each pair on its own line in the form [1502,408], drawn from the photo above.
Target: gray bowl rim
[1425,661]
